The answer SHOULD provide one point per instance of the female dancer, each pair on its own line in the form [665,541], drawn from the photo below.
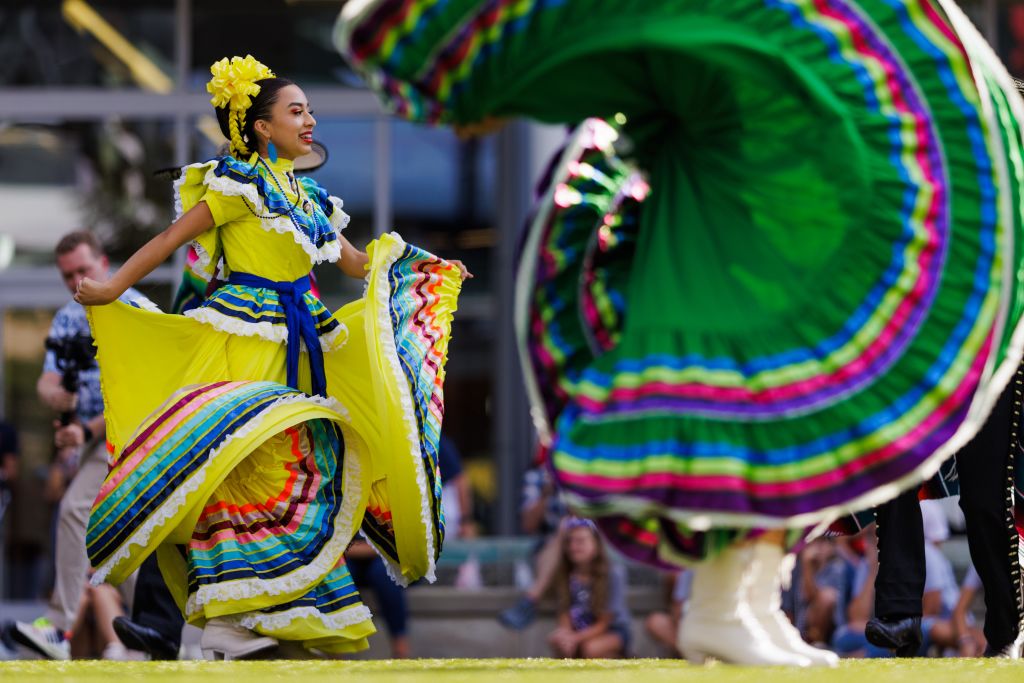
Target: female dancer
[815,303]
[295,428]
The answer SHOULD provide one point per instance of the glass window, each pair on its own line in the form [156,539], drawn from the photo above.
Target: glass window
[293,39]
[126,43]
[68,175]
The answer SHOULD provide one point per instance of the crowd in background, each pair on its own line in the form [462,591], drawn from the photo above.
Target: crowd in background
[578,580]
[574,578]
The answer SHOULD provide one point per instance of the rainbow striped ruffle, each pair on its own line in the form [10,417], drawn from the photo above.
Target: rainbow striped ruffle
[819,299]
[252,491]
[413,292]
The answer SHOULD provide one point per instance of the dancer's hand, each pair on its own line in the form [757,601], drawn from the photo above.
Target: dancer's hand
[93,293]
[463,270]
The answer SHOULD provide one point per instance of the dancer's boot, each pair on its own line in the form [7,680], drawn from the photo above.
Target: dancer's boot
[765,598]
[717,621]
[223,639]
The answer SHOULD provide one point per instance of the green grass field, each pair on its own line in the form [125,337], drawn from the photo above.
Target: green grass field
[513,670]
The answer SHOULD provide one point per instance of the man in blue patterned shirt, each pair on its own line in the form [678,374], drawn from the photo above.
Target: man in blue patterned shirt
[80,443]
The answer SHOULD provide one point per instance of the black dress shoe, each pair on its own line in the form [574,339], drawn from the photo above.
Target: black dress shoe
[900,634]
[148,640]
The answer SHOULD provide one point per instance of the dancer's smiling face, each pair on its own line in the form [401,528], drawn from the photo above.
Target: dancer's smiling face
[289,124]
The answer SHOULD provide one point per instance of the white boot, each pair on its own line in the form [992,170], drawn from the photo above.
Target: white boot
[765,598]
[223,639]
[717,621]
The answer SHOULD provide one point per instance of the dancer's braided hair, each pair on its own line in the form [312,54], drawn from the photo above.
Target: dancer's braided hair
[243,92]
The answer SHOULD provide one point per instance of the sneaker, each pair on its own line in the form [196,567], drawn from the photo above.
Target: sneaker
[519,615]
[42,637]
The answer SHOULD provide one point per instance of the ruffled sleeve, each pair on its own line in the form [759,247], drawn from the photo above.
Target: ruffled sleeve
[221,183]
[224,208]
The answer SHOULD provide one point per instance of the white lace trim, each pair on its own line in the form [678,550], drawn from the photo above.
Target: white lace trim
[271,332]
[387,340]
[203,260]
[324,562]
[331,251]
[279,620]
[145,304]
[280,224]
[180,495]
[339,219]
[179,210]
[394,571]
[225,323]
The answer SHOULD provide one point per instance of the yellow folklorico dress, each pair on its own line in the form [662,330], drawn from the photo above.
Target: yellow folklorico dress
[248,489]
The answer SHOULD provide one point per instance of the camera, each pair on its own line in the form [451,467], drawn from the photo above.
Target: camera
[75,354]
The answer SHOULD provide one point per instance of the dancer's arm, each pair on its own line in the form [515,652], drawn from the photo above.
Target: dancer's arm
[196,221]
[353,262]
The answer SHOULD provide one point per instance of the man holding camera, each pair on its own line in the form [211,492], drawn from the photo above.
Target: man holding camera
[70,385]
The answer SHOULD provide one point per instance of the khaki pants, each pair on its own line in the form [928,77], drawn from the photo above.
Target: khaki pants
[72,563]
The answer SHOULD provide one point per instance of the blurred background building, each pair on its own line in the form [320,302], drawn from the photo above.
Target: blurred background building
[98,96]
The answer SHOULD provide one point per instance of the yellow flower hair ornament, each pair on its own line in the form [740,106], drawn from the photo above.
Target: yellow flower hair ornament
[233,86]
[234,82]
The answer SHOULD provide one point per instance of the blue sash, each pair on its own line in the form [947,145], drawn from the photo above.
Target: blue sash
[300,324]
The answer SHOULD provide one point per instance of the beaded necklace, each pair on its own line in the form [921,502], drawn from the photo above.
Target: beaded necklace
[300,195]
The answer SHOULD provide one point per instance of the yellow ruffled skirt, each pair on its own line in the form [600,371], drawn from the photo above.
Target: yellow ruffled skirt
[249,490]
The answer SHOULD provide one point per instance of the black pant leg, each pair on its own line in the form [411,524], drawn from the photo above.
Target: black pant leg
[899,585]
[985,469]
[153,605]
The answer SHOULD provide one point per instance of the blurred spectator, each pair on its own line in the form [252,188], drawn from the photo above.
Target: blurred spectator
[945,624]
[8,475]
[663,626]
[457,503]
[368,571]
[92,634]
[970,640]
[456,495]
[8,456]
[541,514]
[593,620]
[849,639]
[822,587]
[70,386]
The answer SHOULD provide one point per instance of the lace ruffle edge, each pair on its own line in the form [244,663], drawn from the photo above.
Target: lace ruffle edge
[144,304]
[180,495]
[331,251]
[339,219]
[394,571]
[272,332]
[323,563]
[387,339]
[279,620]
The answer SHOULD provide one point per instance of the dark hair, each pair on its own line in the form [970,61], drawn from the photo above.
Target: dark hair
[259,109]
[71,241]
[600,570]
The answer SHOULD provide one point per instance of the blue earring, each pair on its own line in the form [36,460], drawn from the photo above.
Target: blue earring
[272,152]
